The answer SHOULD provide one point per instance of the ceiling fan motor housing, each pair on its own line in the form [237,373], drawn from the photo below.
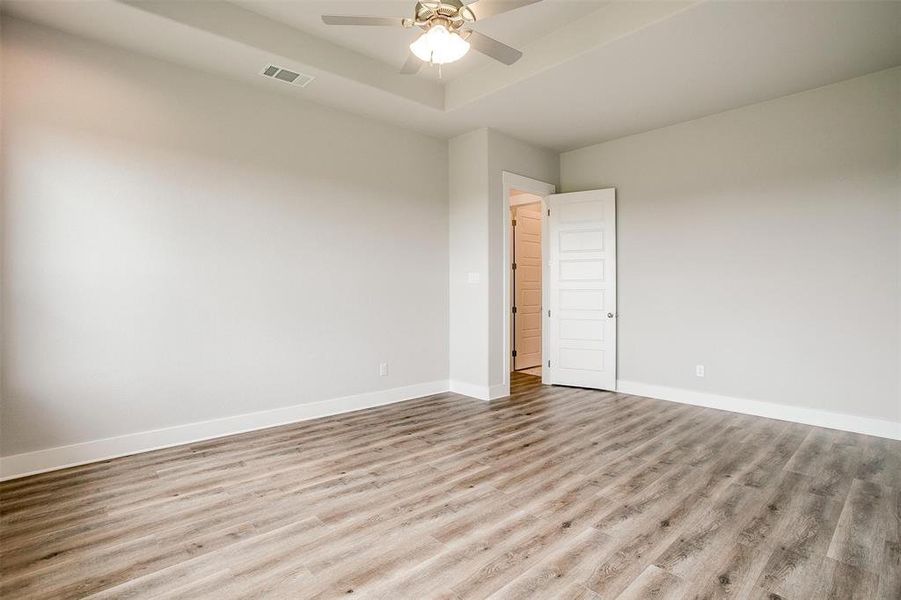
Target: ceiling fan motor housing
[452,14]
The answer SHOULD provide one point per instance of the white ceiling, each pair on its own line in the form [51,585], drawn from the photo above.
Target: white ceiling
[592,71]
[515,28]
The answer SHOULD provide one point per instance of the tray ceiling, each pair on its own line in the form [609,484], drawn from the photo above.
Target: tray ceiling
[591,71]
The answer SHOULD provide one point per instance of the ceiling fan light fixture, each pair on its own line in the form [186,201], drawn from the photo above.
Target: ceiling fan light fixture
[439,46]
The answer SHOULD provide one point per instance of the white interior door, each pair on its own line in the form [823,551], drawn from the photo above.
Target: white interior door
[581,286]
[527,286]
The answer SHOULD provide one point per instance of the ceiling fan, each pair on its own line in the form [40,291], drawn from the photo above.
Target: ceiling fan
[448,35]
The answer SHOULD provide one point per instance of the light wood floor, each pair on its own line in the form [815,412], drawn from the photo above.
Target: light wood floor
[552,493]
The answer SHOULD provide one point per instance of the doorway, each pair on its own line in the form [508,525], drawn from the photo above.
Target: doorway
[529,191]
[576,285]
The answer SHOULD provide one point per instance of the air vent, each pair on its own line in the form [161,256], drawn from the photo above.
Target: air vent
[298,79]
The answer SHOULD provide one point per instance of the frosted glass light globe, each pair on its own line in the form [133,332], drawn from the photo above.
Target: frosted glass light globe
[439,46]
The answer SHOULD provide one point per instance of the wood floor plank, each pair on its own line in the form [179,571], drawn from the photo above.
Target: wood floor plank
[858,540]
[730,576]
[798,549]
[512,559]
[552,492]
[561,572]
[839,581]
[653,584]
[890,573]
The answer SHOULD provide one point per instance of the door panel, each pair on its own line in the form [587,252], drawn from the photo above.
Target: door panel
[527,288]
[582,289]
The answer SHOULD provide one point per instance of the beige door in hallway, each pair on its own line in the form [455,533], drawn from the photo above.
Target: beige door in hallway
[527,285]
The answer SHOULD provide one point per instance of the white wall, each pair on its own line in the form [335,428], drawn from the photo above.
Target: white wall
[478,215]
[763,243]
[179,247]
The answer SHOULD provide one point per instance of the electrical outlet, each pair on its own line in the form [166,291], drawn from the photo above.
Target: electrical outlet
[383,369]
[699,370]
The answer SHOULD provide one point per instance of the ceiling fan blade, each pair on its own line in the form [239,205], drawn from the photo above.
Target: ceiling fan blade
[371,21]
[488,8]
[411,65]
[489,46]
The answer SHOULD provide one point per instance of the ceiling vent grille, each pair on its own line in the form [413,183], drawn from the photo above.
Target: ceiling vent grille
[298,79]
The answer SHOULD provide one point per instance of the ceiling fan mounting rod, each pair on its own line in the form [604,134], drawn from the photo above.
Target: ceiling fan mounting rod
[435,21]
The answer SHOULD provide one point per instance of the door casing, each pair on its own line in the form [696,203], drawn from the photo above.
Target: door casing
[512,181]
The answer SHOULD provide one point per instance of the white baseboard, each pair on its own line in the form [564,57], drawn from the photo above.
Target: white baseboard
[50,459]
[782,412]
[480,392]
[60,457]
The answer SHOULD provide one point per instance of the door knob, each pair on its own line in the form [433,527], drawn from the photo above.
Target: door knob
[609,315]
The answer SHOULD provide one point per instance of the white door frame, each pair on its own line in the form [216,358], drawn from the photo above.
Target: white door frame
[512,181]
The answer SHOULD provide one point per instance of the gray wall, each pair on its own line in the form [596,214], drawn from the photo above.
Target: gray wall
[468,320]
[478,215]
[763,243]
[179,247]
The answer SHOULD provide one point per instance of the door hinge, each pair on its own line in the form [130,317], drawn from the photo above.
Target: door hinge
[548,364]
[514,266]
[514,310]
[548,212]
[548,313]
[514,354]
